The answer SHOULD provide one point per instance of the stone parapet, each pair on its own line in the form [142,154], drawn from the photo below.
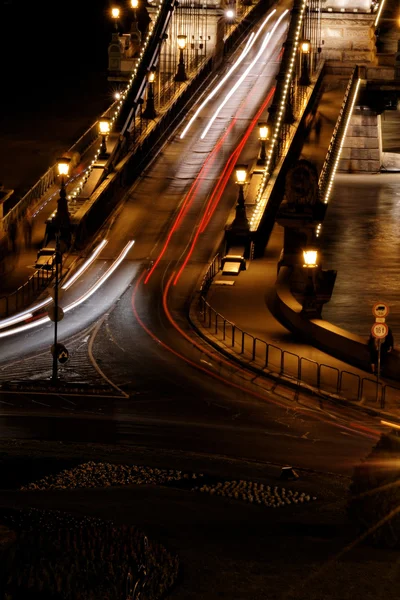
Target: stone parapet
[362,147]
[348,37]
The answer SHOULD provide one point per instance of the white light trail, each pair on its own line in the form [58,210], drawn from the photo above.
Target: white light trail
[28,313]
[244,75]
[76,303]
[85,265]
[250,42]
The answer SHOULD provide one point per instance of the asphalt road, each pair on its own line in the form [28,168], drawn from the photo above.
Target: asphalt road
[134,334]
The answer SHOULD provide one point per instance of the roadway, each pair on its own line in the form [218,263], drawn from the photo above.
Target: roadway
[133,332]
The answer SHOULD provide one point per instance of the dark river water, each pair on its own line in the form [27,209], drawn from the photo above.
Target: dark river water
[360,238]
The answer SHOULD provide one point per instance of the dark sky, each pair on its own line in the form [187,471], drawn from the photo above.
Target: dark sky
[45,45]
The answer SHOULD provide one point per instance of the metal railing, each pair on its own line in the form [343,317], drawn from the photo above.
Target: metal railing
[265,356]
[37,191]
[26,293]
[336,139]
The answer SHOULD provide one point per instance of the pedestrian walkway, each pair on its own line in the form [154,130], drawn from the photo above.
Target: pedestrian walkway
[241,323]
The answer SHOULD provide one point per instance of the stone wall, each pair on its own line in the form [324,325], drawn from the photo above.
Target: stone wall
[348,38]
[362,147]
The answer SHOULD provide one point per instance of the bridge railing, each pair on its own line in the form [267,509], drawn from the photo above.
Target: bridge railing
[24,295]
[265,356]
[332,157]
[270,358]
[36,192]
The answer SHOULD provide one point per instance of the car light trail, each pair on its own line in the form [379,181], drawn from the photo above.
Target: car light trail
[264,44]
[102,279]
[76,303]
[223,180]
[250,42]
[28,314]
[85,265]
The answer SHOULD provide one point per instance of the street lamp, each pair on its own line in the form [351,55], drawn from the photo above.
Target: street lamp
[104,130]
[263,137]
[115,15]
[240,221]
[305,48]
[229,14]
[61,220]
[181,73]
[150,111]
[310,256]
[134,4]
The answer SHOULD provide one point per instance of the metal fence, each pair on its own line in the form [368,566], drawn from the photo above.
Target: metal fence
[26,293]
[265,356]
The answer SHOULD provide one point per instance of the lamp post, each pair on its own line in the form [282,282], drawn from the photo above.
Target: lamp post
[134,4]
[263,137]
[150,111]
[115,15]
[305,47]
[240,221]
[310,257]
[104,130]
[181,73]
[61,220]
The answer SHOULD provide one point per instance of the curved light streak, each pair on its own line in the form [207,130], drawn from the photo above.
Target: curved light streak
[264,44]
[221,184]
[76,303]
[85,265]
[28,313]
[250,42]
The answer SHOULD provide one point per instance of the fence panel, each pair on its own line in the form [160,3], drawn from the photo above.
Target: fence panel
[391,397]
[329,378]
[370,391]
[274,358]
[309,371]
[350,385]
[260,351]
[290,364]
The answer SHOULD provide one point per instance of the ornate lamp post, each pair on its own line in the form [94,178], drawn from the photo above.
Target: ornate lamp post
[134,4]
[61,220]
[305,48]
[150,111]
[115,15]
[310,257]
[181,72]
[104,130]
[240,222]
[263,137]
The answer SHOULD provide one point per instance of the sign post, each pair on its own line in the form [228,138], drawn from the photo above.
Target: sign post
[379,331]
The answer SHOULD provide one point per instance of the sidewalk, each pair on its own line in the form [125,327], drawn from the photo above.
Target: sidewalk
[243,302]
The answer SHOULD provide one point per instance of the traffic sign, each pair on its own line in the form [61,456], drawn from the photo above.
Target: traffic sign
[52,314]
[63,354]
[61,351]
[380,309]
[379,330]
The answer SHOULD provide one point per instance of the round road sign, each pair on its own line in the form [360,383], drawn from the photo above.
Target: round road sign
[380,309]
[53,316]
[379,330]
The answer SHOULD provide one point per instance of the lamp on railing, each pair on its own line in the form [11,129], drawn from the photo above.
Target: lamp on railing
[104,130]
[240,221]
[61,219]
[305,49]
[263,137]
[115,16]
[181,73]
[150,111]
[134,5]
[310,258]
